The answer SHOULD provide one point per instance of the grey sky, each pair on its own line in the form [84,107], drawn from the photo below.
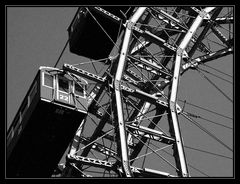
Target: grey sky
[36,36]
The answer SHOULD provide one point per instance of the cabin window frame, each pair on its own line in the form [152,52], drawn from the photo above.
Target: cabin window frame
[43,80]
[58,90]
[17,122]
[83,88]
[10,135]
[32,93]
[58,86]
[24,108]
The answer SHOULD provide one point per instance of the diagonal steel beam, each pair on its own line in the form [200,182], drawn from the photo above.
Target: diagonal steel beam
[120,68]
[206,58]
[175,82]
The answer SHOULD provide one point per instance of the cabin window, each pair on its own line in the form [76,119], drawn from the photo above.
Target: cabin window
[33,91]
[79,90]
[24,107]
[48,80]
[63,84]
[10,134]
[16,123]
[19,129]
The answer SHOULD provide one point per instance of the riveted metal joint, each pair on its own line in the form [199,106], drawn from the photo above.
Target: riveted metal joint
[203,14]
[126,168]
[172,106]
[130,25]
[117,84]
[180,51]
[185,174]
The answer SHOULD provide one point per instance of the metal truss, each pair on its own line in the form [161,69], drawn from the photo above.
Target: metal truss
[133,105]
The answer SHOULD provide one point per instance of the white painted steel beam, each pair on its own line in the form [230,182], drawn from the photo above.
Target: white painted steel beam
[75,143]
[140,116]
[150,133]
[146,172]
[119,73]
[175,82]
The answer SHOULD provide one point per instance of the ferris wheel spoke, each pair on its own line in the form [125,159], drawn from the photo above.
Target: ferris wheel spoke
[230,82]
[148,75]
[206,131]
[217,70]
[208,110]
[205,77]
[102,28]
[208,152]
[154,151]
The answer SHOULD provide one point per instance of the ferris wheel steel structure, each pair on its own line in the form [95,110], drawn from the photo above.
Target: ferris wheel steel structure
[136,88]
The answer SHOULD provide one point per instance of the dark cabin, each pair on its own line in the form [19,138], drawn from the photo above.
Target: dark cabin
[87,31]
[45,123]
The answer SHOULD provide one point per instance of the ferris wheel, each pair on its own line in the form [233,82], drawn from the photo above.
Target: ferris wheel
[159,95]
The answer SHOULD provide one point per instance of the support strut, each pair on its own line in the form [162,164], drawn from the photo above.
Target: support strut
[173,97]
[121,124]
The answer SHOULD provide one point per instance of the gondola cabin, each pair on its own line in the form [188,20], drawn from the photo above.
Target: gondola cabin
[94,30]
[45,123]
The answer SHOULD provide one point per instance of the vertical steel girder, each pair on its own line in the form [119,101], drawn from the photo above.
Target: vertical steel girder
[120,68]
[144,109]
[126,166]
[206,58]
[76,139]
[198,42]
[173,97]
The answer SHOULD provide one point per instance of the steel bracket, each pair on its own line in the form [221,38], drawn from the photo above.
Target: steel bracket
[130,25]
[172,106]
[117,85]
[203,14]
[180,51]
[125,165]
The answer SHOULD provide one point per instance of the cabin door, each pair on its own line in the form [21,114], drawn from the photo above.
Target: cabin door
[63,89]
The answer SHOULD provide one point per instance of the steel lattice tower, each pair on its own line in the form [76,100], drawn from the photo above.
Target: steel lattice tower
[139,86]
[137,58]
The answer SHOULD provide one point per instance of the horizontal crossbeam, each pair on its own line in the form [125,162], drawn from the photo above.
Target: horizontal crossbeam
[89,161]
[83,73]
[146,172]
[150,133]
